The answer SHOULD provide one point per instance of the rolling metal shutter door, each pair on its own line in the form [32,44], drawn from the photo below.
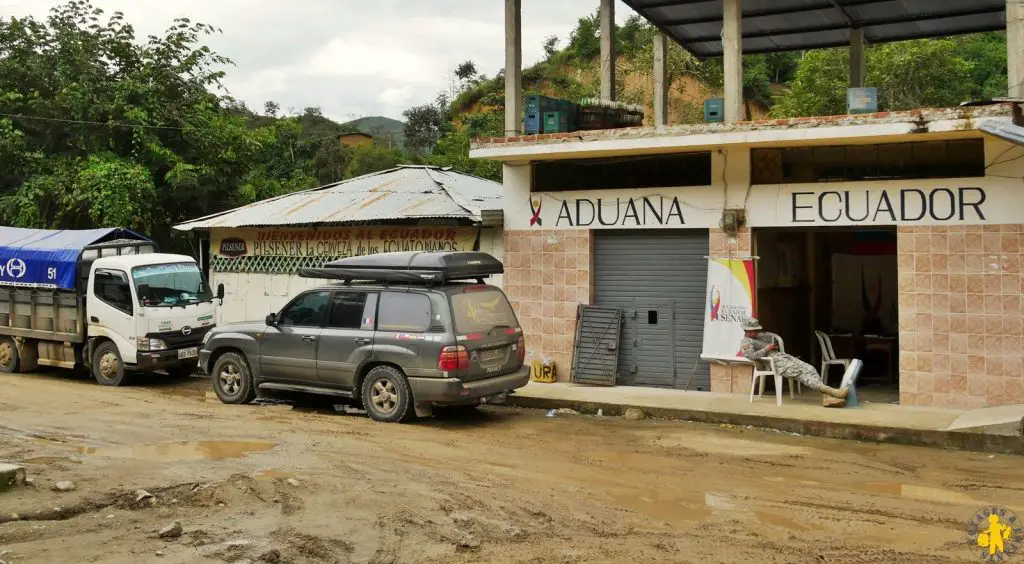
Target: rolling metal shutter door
[658,279]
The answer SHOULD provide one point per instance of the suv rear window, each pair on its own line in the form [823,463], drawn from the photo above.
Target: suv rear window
[480,312]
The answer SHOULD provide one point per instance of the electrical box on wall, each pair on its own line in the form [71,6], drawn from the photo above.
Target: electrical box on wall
[732,221]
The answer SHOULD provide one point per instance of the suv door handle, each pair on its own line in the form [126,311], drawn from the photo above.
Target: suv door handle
[94,319]
[309,338]
[363,341]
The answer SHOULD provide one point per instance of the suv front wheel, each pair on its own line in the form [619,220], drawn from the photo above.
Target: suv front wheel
[387,396]
[232,379]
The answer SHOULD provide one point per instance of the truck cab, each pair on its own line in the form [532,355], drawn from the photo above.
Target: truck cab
[104,299]
[154,308]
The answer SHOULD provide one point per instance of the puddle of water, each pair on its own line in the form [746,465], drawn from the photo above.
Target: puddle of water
[920,493]
[781,521]
[273,474]
[714,444]
[51,460]
[195,450]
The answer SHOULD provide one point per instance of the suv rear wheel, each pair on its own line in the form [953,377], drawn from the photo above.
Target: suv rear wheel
[232,379]
[387,396]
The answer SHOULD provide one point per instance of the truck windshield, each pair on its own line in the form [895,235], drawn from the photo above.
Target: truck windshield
[170,284]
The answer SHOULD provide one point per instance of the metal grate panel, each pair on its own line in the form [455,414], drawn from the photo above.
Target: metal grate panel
[595,358]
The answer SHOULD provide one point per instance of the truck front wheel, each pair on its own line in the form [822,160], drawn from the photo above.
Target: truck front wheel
[8,355]
[107,366]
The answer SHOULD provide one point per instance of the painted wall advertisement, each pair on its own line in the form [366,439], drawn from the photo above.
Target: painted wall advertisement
[731,298]
[339,242]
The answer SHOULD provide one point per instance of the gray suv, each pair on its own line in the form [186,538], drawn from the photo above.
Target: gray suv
[398,334]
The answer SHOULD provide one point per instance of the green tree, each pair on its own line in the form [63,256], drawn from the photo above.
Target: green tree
[908,74]
[367,158]
[109,129]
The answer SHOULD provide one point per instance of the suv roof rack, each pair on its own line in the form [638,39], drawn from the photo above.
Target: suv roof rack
[434,267]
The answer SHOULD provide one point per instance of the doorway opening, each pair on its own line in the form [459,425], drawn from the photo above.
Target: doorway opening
[834,288]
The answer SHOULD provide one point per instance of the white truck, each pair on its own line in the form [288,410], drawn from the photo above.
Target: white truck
[103,299]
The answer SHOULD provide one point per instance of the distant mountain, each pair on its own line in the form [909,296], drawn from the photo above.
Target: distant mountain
[382,128]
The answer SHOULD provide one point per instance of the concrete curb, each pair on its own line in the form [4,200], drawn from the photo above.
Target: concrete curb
[956,440]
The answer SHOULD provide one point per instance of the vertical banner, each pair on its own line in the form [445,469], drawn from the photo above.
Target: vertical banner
[731,299]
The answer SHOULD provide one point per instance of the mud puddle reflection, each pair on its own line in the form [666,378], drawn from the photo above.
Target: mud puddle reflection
[194,450]
[920,493]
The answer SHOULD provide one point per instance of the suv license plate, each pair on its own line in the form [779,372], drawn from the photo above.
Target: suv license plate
[190,352]
[493,354]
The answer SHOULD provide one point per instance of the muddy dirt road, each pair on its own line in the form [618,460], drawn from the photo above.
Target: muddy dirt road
[308,485]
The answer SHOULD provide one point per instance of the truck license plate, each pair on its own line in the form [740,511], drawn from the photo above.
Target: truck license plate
[190,352]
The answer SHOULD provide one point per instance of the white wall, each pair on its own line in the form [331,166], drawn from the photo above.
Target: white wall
[492,241]
[250,297]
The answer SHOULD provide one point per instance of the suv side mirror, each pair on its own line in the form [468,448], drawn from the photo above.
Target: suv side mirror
[220,291]
[271,319]
[143,292]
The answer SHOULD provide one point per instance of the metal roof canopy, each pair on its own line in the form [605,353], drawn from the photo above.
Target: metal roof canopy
[403,193]
[771,26]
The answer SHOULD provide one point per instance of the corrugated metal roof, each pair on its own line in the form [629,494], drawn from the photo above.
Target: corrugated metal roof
[792,25]
[406,192]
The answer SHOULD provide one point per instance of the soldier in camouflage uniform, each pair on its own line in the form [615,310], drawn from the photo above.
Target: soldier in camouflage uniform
[787,366]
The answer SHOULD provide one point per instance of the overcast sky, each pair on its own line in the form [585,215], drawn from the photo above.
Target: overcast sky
[353,58]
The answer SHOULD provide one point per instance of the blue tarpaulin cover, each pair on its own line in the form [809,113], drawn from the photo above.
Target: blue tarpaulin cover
[41,257]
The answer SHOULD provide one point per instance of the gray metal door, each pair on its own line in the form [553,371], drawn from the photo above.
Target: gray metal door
[658,279]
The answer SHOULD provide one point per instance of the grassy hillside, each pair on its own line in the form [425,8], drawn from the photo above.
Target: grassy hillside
[382,128]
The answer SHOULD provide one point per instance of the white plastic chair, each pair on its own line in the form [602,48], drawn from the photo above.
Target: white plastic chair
[828,356]
[761,376]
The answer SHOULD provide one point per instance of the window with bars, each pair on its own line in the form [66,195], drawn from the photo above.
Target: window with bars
[961,158]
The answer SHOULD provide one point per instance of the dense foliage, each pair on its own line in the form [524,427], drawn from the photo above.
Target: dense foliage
[98,128]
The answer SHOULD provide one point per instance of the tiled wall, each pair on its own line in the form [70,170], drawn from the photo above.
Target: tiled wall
[733,379]
[547,274]
[960,315]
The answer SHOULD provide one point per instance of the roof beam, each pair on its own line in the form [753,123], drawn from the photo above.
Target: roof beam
[665,4]
[753,14]
[860,24]
[750,15]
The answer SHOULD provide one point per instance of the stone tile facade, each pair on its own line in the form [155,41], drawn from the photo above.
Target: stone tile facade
[547,275]
[732,379]
[960,315]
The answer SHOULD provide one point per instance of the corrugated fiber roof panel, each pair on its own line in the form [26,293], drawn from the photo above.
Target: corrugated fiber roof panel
[793,25]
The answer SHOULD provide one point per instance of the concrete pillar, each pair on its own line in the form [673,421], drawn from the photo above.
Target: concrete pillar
[1015,47]
[513,67]
[608,50]
[732,55]
[857,63]
[661,81]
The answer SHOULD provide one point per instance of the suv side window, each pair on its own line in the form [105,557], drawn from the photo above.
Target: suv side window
[308,310]
[111,287]
[403,312]
[352,310]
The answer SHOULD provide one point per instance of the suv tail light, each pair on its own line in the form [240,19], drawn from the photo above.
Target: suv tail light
[453,359]
[521,349]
